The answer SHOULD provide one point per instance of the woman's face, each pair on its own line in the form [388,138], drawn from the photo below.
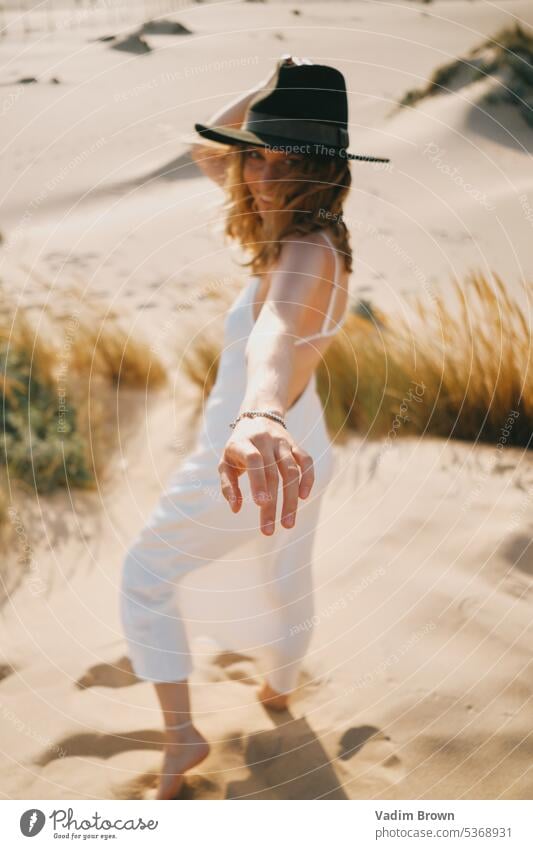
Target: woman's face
[263,169]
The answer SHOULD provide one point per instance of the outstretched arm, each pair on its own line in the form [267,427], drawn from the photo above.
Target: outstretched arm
[260,446]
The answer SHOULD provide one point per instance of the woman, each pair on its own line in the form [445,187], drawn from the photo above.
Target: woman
[285,169]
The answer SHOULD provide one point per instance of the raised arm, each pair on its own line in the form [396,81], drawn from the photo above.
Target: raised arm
[212,159]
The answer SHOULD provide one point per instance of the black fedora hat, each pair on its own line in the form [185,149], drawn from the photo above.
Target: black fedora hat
[304,110]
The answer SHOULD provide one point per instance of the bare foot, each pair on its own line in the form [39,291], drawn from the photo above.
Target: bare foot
[183,750]
[271,698]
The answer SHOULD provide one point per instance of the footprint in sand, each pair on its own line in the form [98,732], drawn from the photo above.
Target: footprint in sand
[5,671]
[243,668]
[371,749]
[97,744]
[91,745]
[353,740]
[119,674]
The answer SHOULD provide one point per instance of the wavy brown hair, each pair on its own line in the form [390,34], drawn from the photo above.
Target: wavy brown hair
[311,200]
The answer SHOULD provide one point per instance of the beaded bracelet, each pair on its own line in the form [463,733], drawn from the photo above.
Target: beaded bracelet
[251,414]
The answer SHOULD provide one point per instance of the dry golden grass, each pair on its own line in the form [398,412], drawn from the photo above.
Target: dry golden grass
[455,368]
[60,387]
[200,364]
[103,349]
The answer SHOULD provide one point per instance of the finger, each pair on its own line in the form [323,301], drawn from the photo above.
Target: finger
[306,464]
[229,484]
[255,467]
[268,508]
[290,475]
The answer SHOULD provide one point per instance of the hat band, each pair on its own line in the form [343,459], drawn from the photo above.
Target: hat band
[296,129]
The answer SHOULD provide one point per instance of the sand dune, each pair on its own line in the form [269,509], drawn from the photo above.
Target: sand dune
[416,685]
[417,682]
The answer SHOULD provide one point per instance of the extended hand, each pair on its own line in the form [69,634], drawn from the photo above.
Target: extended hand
[264,449]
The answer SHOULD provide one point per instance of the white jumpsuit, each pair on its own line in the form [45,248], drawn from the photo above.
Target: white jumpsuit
[257,591]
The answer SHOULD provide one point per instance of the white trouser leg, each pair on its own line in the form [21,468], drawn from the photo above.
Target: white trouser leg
[191,526]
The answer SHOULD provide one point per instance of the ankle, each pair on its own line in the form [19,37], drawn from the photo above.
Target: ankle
[179,733]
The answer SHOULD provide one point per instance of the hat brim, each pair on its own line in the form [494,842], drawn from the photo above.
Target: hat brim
[224,135]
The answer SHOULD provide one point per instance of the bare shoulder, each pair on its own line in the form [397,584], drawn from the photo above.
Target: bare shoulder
[308,253]
[301,285]
[304,264]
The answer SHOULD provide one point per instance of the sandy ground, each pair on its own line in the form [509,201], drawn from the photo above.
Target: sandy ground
[417,682]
